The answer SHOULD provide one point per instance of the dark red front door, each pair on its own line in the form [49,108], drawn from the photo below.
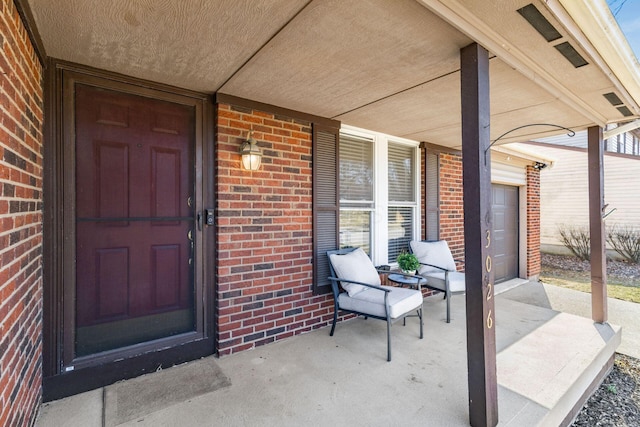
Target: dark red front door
[134,174]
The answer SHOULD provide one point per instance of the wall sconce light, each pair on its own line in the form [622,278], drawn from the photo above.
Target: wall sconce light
[251,154]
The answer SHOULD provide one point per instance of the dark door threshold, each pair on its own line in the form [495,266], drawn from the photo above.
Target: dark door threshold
[85,379]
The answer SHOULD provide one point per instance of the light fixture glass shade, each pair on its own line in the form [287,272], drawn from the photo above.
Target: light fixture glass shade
[251,155]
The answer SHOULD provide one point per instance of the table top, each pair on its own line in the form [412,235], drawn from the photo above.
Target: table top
[404,280]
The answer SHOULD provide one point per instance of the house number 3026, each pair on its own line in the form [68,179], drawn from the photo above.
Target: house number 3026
[487,266]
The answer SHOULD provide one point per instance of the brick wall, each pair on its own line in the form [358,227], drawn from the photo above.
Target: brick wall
[533,222]
[264,225]
[451,203]
[20,222]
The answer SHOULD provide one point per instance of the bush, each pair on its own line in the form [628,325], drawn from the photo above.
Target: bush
[626,241]
[576,239]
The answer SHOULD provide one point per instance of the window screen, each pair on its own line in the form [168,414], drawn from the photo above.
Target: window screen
[356,171]
[356,192]
[401,194]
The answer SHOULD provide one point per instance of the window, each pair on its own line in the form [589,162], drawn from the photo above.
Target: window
[356,191]
[402,198]
[378,193]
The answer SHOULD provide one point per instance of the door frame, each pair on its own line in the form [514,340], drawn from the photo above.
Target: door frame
[64,374]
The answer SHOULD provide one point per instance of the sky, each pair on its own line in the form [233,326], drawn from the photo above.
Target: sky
[627,13]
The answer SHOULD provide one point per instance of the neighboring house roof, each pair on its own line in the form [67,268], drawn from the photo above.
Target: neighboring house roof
[389,66]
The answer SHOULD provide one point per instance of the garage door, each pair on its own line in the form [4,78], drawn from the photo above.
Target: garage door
[505,232]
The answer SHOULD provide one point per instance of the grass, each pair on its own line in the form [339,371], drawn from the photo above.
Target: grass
[617,287]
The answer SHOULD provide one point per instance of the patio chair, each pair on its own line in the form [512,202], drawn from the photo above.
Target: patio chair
[352,270]
[439,268]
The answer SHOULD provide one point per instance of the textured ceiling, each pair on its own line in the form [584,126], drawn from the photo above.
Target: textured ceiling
[194,44]
[386,65]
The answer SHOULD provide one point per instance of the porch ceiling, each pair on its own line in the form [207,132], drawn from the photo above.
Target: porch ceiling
[390,66]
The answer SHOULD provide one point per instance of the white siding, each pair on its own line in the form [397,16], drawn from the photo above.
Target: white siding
[502,173]
[564,191]
[625,143]
[622,190]
[578,140]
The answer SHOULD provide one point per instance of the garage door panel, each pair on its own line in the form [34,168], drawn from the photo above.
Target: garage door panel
[505,232]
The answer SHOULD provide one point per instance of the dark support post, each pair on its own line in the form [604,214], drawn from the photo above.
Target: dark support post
[596,226]
[476,160]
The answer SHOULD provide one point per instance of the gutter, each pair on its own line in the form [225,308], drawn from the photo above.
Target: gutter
[459,16]
[518,151]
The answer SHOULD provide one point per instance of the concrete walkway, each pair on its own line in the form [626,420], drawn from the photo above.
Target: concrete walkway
[546,359]
[623,313]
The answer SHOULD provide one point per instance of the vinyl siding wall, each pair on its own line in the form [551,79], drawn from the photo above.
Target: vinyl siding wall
[565,191]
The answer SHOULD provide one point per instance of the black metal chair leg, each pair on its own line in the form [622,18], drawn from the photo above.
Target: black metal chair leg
[448,307]
[388,341]
[335,320]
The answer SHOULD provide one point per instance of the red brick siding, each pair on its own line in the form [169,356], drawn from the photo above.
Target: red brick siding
[20,222]
[533,222]
[264,223]
[452,210]
[451,203]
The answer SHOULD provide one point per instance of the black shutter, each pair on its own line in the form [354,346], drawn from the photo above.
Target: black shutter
[326,208]
[432,185]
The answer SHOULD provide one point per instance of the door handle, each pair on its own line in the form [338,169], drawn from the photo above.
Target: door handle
[199,221]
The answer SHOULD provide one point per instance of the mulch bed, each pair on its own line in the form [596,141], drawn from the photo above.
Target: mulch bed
[571,263]
[617,401]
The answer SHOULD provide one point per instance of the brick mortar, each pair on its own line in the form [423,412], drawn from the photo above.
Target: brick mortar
[265,229]
[21,160]
[452,204]
[533,222]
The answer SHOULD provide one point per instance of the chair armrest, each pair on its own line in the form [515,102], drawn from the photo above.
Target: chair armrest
[380,288]
[435,266]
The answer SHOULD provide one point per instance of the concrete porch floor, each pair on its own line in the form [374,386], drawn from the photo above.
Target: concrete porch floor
[546,361]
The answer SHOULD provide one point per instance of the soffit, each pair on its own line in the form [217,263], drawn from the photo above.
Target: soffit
[388,66]
[194,44]
[337,56]
[587,82]
[515,101]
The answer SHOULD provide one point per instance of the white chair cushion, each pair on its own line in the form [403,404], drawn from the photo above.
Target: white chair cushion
[357,266]
[371,301]
[456,281]
[436,253]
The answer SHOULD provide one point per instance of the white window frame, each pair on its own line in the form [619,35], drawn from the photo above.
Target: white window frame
[379,225]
